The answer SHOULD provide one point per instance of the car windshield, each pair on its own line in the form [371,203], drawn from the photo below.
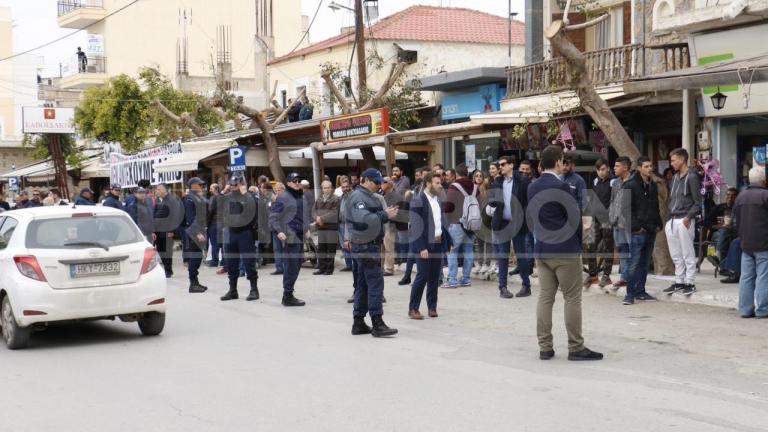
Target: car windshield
[81,232]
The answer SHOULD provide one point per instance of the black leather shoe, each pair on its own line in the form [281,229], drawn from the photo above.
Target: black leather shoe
[253,295]
[351,300]
[318,272]
[359,327]
[585,355]
[346,269]
[404,281]
[380,329]
[546,355]
[504,293]
[276,273]
[525,291]
[289,300]
[731,279]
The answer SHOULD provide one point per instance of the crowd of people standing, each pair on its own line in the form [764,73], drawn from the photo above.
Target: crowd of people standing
[549,224]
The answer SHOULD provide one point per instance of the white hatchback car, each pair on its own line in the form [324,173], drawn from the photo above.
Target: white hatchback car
[64,263]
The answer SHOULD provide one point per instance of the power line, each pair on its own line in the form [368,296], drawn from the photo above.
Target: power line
[69,34]
[306,33]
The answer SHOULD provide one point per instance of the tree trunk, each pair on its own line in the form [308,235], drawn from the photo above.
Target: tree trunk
[273,155]
[369,158]
[618,138]
[662,261]
[591,101]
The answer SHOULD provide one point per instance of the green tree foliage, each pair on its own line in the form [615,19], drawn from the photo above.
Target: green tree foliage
[123,111]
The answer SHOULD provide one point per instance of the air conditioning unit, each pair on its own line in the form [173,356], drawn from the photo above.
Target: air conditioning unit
[705,143]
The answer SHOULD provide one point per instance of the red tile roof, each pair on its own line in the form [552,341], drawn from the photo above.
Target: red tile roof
[430,24]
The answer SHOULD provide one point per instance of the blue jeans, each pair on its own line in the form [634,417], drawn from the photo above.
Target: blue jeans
[462,242]
[621,240]
[277,250]
[733,257]
[401,245]
[216,246]
[524,258]
[639,262]
[753,287]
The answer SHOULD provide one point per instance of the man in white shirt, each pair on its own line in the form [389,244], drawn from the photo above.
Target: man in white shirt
[426,230]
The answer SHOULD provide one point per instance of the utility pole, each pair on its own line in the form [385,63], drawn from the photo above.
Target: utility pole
[362,86]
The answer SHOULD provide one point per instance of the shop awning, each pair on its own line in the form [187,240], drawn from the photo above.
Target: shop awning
[96,168]
[29,170]
[353,154]
[696,77]
[191,155]
[542,108]
[258,157]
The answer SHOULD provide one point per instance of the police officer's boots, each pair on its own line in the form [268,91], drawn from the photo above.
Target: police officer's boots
[232,293]
[359,327]
[290,300]
[195,287]
[254,294]
[380,329]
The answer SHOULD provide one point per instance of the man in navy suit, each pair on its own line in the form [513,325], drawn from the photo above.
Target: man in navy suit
[555,218]
[508,201]
[427,225]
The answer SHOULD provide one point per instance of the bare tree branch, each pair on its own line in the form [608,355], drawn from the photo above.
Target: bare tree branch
[274,91]
[345,108]
[283,114]
[566,21]
[276,105]
[185,119]
[394,74]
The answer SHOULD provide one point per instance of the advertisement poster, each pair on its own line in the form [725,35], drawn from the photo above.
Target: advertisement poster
[48,120]
[470,159]
[362,125]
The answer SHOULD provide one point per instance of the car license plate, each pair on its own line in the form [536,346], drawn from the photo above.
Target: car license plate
[94,269]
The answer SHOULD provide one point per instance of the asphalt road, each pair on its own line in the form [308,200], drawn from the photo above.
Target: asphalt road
[259,366]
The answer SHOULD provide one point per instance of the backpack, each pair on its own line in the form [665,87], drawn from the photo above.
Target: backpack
[470,219]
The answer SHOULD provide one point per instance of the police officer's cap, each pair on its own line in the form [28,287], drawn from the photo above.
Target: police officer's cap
[116,186]
[236,180]
[293,178]
[373,175]
[194,181]
[140,190]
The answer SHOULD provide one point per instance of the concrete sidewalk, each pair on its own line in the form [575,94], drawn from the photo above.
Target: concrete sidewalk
[709,290]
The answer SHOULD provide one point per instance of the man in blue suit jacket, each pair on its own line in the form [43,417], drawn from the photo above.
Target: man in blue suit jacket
[508,200]
[427,227]
[555,217]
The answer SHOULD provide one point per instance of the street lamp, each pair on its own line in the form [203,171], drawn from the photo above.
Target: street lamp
[335,6]
[718,99]
[371,9]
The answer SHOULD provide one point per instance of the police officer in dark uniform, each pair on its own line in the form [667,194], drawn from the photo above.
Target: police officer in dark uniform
[113,198]
[241,220]
[288,221]
[195,215]
[366,217]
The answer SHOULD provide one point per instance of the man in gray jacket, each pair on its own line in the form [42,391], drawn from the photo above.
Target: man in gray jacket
[684,207]
[618,216]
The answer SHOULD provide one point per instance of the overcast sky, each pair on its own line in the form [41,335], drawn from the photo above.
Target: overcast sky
[35,21]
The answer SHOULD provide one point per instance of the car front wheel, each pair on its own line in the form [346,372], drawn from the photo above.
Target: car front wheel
[15,337]
[152,323]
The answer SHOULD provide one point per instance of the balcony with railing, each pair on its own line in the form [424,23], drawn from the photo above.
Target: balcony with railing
[605,67]
[77,74]
[80,13]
